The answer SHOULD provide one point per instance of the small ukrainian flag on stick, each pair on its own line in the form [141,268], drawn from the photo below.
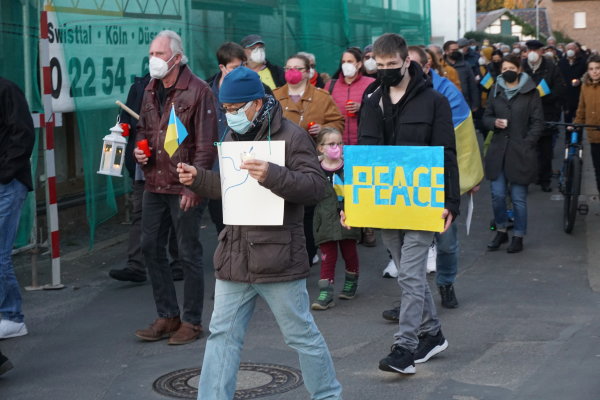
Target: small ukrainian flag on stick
[176,133]
[487,81]
[543,88]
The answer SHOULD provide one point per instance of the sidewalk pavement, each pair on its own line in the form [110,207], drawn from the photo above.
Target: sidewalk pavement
[528,325]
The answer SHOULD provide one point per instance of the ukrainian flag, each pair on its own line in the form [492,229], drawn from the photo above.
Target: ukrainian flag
[176,133]
[338,186]
[543,88]
[470,166]
[487,81]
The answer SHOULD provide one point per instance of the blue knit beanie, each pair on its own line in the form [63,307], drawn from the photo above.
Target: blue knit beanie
[240,86]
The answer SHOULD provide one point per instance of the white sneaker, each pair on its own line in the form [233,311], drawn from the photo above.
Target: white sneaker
[10,329]
[390,271]
[431,258]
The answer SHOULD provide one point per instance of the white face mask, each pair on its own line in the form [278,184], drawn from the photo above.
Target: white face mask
[570,53]
[312,73]
[349,70]
[482,61]
[371,65]
[516,50]
[505,54]
[549,54]
[158,67]
[258,55]
[533,57]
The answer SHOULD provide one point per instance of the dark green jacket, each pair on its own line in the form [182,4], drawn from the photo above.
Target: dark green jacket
[326,222]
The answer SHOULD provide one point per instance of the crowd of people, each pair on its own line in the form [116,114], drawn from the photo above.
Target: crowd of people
[386,94]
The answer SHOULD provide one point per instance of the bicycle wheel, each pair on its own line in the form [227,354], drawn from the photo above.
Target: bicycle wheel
[571,195]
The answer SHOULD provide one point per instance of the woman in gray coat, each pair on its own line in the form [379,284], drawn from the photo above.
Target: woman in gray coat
[514,113]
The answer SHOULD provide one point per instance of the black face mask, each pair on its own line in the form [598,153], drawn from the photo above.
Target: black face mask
[390,77]
[510,76]
[456,55]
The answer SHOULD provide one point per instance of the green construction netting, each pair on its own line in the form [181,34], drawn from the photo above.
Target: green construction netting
[97,47]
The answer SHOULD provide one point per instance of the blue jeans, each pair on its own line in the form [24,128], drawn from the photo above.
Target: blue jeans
[417,309]
[234,305]
[12,196]
[518,194]
[447,256]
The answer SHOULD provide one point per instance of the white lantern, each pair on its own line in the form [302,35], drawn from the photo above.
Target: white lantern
[113,152]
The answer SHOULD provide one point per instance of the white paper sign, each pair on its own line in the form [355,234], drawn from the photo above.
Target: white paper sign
[245,202]
[470,213]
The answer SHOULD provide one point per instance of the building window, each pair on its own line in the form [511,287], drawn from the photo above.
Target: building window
[579,20]
[506,27]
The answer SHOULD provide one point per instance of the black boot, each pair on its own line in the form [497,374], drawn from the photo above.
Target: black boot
[516,245]
[448,296]
[128,274]
[501,237]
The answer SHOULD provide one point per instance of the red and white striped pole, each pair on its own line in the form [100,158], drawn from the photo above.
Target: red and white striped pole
[48,126]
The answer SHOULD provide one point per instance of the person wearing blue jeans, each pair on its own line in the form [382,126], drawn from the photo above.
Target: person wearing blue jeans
[447,265]
[518,195]
[263,261]
[515,115]
[17,137]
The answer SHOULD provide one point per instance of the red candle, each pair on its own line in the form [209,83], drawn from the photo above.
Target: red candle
[125,128]
[143,145]
[349,113]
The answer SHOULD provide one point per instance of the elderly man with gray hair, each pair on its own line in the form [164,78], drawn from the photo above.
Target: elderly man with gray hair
[173,88]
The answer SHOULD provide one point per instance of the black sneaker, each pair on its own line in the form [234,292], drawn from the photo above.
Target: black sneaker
[393,314]
[399,360]
[429,346]
[127,274]
[448,296]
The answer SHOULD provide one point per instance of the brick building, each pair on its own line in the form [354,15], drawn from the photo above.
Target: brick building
[578,19]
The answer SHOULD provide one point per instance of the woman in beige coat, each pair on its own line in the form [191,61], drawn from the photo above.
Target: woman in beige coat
[308,106]
[588,111]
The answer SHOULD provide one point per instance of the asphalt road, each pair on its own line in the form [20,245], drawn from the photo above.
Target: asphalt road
[528,325]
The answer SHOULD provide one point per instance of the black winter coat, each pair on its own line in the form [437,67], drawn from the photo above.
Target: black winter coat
[551,103]
[513,150]
[277,73]
[570,72]
[134,101]
[422,118]
[468,84]
[17,135]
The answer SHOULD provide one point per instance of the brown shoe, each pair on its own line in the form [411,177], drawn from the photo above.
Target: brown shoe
[187,333]
[368,237]
[161,328]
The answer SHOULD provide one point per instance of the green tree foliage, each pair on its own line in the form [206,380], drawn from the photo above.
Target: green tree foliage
[489,5]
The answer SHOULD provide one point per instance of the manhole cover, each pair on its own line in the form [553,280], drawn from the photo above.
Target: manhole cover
[254,380]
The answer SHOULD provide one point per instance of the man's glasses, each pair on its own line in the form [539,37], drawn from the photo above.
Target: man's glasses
[234,111]
[296,68]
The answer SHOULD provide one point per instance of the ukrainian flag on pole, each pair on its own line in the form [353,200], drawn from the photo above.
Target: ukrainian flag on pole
[176,133]
[543,88]
[487,81]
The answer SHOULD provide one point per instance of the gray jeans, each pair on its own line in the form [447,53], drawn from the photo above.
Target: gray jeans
[417,310]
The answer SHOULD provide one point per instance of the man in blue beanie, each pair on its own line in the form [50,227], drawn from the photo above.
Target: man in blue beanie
[273,265]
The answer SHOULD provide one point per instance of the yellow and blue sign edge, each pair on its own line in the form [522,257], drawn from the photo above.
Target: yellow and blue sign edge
[394,187]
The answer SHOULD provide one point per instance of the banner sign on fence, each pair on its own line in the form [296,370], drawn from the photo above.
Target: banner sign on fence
[394,187]
[97,48]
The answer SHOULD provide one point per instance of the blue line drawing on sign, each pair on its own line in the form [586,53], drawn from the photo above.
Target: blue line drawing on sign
[236,168]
